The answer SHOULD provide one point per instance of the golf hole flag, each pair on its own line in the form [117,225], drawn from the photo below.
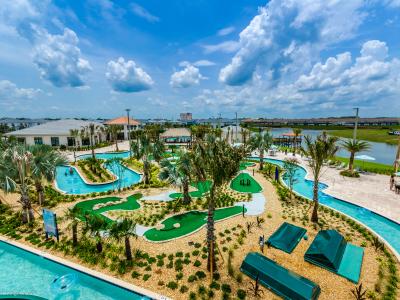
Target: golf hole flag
[50,223]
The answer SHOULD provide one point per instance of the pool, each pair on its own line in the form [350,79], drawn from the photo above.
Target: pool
[74,184]
[387,229]
[31,275]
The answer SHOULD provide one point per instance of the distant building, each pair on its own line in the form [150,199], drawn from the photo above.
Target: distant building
[57,133]
[21,123]
[216,122]
[176,136]
[123,121]
[185,117]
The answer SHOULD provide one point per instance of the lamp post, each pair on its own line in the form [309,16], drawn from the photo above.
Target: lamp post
[355,124]
[129,133]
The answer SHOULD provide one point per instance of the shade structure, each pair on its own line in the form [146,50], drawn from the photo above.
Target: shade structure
[331,251]
[286,237]
[278,279]
[364,157]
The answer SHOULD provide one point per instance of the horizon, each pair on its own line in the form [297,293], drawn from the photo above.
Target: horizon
[264,59]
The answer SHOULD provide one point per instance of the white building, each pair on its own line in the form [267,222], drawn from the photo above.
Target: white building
[57,133]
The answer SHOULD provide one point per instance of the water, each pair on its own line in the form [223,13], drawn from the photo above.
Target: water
[74,184]
[23,272]
[382,152]
[386,228]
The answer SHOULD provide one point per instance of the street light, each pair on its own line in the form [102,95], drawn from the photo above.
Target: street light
[129,132]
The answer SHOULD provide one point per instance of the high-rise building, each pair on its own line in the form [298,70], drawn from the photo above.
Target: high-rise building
[185,116]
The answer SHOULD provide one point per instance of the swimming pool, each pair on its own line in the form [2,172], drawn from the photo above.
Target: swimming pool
[26,273]
[387,229]
[74,184]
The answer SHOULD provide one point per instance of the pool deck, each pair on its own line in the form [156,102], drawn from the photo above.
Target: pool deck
[370,190]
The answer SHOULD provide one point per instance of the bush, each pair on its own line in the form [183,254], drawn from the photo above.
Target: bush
[226,288]
[349,173]
[197,263]
[241,294]
[146,277]
[183,289]
[200,274]
[135,274]
[192,296]
[192,278]
[172,285]
[179,276]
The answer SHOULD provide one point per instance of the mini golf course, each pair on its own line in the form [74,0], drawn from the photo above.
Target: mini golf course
[188,223]
[201,186]
[244,183]
[245,164]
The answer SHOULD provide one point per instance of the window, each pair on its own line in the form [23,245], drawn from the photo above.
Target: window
[38,140]
[71,141]
[55,141]
[21,140]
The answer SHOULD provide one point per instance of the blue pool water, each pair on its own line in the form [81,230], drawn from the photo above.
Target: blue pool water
[74,184]
[22,272]
[387,229]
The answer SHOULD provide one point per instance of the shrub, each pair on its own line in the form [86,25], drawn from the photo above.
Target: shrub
[241,294]
[135,274]
[146,277]
[226,288]
[197,263]
[200,274]
[192,296]
[192,278]
[179,276]
[172,285]
[349,173]
[215,285]
[183,289]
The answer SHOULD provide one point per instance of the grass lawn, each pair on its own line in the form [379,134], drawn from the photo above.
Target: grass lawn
[372,135]
[202,188]
[368,166]
[254,187]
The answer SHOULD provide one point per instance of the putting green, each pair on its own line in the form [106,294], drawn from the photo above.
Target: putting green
[188,223]
[201,186]
[86,207]
[253,187]
[245,164]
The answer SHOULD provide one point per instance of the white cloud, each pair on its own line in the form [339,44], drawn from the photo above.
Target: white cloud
[198,63]
[144,13]
[226,31]
[285,34]
[10,91]
[187,77]
[126,76]
[226,47]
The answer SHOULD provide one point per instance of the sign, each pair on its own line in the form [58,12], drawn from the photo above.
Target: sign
[50,223]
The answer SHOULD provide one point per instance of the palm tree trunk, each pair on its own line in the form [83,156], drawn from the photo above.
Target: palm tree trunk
[99,246]
[397,161]
[351,161]
[186,196]
[261,159]
[27,214]
[146,172]
[92,146]
[74,234]
[314,217]
[211,265]
[128,251]
[39,191]
[116,144]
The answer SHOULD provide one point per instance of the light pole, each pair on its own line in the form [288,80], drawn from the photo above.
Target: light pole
[355,124]
[129,132]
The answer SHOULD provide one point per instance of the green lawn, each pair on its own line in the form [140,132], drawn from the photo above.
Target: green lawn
[372,135]
[189,222]
[201,186]
[368,166]
[254,187]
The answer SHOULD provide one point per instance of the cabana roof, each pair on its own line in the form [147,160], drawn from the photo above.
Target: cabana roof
[122,121]
[286,237]
[175,133]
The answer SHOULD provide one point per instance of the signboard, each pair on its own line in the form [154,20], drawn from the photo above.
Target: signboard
[50,223]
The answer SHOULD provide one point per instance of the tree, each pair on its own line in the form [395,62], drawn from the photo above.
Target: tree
[220,162]
[73,214]
[123,230]
[354,146]
[115,164]
[74,133]
[318,151]
[179,173]
[290,166]
[296,132]
[44,161]
[113,130]
[261,142]
[90,131]
[95,226]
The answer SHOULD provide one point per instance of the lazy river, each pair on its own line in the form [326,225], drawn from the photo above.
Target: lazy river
[387,229]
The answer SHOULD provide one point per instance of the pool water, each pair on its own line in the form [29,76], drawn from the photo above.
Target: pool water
[23,272]
[74,184]
[387,229]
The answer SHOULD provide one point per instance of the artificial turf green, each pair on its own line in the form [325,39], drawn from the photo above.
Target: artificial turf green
[189,222]
[245,164]
[254,187]
[201,186]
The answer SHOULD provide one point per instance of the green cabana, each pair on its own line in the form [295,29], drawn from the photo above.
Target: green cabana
[287,237]
[278,279]
[331,251]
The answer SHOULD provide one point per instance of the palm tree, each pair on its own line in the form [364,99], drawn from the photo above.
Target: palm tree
[261,142]
[179,173]
[220,162]
[95,226]
[296,132]
[90,131]
[319,150]
[124,230]
[74,133]
[354,146]
[114,130]
[44,162]
[73,215]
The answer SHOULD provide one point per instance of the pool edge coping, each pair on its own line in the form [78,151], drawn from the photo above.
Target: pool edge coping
[96,274]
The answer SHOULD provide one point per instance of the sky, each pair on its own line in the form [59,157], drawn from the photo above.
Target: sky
[277,58]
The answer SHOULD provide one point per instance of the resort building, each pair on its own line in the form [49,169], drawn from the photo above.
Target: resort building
[176,136]
[127,125]
[58,133]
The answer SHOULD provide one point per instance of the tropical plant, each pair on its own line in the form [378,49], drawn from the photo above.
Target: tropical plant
[95,226]
[318,151]
[296,132]
[113,130]
[354,146]
[200,131]
[74,133]
[44,161]
[90,131]
[290,166]
[359,293]
[255,287]
[261,142]
[73,214]
[124,230]
[220,162]
[115,164]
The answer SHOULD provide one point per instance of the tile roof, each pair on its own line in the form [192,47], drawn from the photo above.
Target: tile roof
[122,121]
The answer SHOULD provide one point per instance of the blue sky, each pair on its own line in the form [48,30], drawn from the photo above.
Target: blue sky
[281,58]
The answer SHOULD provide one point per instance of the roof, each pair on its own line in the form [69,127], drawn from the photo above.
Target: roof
[286,237]
[53,128]
[175,132]
[122,121]
[280,280]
